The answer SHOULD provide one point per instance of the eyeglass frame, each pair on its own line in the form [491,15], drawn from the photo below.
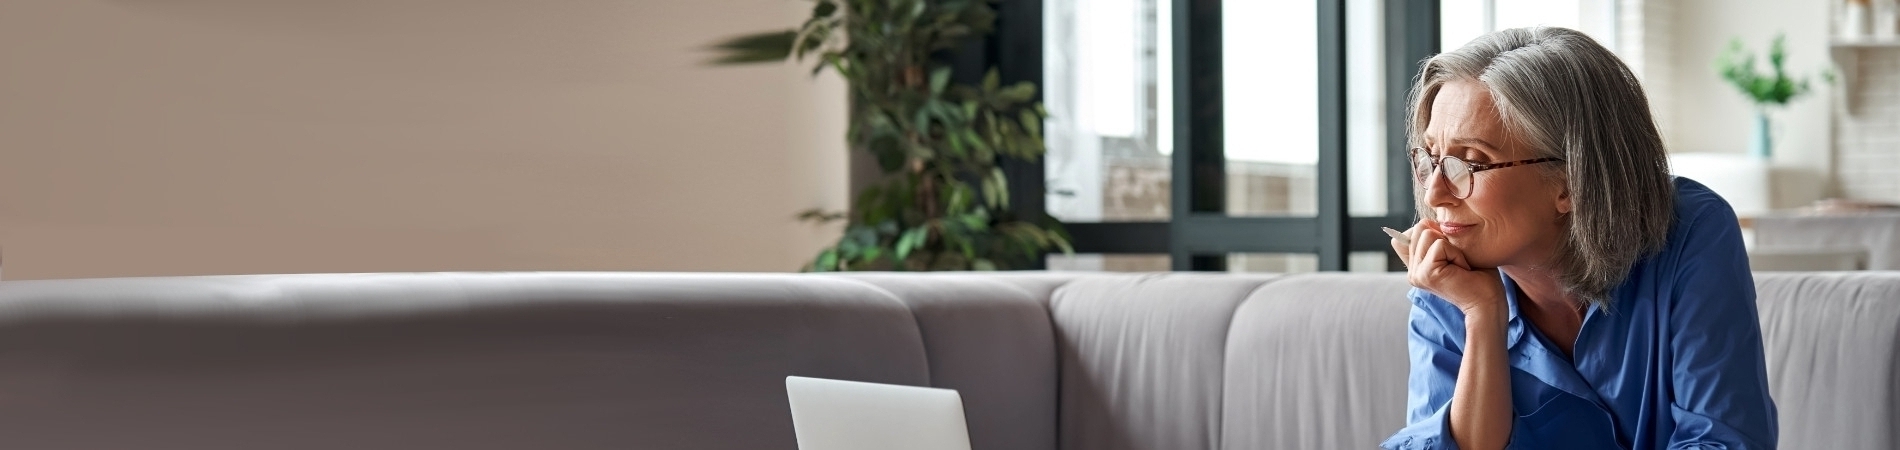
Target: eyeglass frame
[1438,164]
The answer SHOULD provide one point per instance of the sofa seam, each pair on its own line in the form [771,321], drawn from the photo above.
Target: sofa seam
[930,375]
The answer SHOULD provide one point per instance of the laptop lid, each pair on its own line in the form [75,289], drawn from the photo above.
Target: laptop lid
[851,415]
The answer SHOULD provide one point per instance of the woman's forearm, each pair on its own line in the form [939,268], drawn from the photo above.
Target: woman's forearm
[1481,401]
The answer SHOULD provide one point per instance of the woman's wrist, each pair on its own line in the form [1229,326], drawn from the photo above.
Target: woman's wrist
[1492,315]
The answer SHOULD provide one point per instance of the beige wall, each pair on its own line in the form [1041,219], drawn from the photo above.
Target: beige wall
[242,136]
[1709,115]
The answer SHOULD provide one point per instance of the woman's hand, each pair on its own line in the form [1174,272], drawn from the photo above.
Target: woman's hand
[1432,263]
[1480,410]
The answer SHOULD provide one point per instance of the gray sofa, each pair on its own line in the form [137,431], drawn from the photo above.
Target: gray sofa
[697,361]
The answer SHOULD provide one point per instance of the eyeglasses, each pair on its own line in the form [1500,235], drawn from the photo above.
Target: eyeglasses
[1457,172]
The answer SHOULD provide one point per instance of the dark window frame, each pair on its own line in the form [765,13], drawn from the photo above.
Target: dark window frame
[1199,234]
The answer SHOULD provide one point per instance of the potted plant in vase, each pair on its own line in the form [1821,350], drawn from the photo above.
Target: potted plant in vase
[942,201]
[1768,91]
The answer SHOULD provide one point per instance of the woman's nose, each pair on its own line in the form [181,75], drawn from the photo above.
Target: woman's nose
[1438,189]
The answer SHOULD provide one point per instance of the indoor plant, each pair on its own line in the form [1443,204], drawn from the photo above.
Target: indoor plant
[942,202]
[1767,90]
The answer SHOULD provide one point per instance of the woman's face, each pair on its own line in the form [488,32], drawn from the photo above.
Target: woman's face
[1514,215]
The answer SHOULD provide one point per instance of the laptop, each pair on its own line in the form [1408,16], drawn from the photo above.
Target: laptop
[851,415]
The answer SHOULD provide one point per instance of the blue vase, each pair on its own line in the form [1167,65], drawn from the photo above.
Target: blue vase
[1764,142]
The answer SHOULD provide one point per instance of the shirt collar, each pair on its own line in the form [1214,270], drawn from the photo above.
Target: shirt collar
[1536,358]
[1515,327]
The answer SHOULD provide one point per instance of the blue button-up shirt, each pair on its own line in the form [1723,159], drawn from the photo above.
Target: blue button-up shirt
[1676,362]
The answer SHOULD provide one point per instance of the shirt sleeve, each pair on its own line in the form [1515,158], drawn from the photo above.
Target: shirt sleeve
[1719,384]
[1435,357]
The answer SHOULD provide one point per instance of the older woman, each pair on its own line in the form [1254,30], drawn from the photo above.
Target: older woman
[1569,293]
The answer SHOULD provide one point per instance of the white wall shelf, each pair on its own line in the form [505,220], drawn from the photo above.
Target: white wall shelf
[1865,43]
[1846,54]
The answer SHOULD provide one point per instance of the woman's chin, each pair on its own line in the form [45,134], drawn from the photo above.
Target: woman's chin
[1478,260]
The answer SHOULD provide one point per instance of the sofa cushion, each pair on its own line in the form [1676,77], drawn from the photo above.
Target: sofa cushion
[1141,358]
[1317,361]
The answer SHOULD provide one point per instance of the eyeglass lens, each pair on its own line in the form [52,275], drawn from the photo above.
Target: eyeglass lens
[1456,172]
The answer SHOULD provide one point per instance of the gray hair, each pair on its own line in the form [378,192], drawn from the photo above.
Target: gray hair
[1568,97]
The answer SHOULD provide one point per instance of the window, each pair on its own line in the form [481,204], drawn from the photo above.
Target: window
[1218,134]
[1107,94]
[1465,20]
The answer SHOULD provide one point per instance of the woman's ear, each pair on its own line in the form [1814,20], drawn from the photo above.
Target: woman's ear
[1563,200]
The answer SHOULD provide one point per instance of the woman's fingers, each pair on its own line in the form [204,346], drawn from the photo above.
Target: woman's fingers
[1423,242]
[1428,254]
[1406,248]
[1432,259]
[1440,267]
[1435,258]
[1411,251]
[1399,248]
[1428,268]
[1455,256]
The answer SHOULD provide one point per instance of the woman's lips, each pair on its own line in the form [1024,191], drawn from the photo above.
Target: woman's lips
[1453,229]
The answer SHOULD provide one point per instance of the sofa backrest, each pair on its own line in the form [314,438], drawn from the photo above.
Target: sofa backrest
[577,360]
[462,361]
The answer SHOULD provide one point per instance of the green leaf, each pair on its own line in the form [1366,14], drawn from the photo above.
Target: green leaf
[911,240]
[958,146]
[1002,187]
[979,221]
[917,9]
[948,113]
[890,153]
[921,123]
[983,264]
[827,261]
[869,196]
[812,38]
[922,151]
[1018,93]
[848,247]
[959,198]
[983,150]
[864,237]
[939,79]
[991,80]
[990,194]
